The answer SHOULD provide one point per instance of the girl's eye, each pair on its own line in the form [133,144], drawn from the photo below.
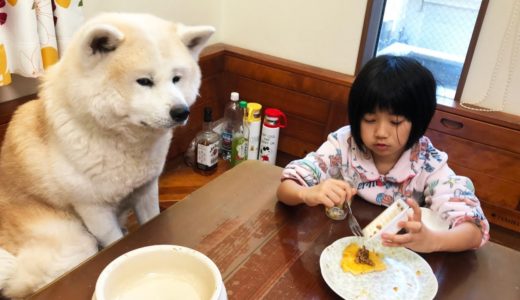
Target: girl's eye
[396,123]
[176,79]
[145,81]
[369,120]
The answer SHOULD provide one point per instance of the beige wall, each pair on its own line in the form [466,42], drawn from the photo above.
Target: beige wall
[192,12]
[325,34]
[320,33]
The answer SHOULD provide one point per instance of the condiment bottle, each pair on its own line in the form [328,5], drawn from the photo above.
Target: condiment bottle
[206,147]
[254,122]
[274,119]
[239,141]
[232,114]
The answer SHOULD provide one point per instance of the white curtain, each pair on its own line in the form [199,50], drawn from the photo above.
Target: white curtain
[33,33]
[505,76]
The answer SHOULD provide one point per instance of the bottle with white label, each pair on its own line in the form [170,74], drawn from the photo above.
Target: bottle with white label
[232,114]
[239,141]
[253,124]
[206,147]
[274,119]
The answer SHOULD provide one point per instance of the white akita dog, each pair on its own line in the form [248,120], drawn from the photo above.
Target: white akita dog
[92,147]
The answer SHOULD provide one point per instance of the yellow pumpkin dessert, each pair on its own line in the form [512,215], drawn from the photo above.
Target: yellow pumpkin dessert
[359,260]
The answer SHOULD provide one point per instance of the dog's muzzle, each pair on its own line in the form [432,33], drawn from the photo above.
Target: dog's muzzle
[179,114]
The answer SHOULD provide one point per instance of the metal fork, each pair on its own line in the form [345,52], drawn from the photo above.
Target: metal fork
[352,222]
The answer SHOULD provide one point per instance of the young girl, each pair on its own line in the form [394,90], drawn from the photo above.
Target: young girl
[383,156]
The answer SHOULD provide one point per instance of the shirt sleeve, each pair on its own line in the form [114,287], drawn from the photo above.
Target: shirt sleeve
[453,198]
[317,166]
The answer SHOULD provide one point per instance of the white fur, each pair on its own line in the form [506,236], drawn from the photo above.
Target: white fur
[46,257]
[94,145]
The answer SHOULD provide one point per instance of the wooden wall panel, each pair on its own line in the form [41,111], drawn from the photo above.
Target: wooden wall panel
[315,101]
[337,117]
[3,128]
[295,147]
[501,216]
[502,164]
[309,107]
[211,61]
[7,108]
[303,129]
[490,189]
[495,173]
[6,112]
[288,79]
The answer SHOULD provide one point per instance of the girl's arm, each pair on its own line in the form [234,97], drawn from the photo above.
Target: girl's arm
[420,238]
[329,193]
[453,199]
[317,178]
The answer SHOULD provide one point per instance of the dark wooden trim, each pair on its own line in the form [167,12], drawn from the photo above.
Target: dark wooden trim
[289,66]
[367,25]
[471,49]
[7,108]
[492,117]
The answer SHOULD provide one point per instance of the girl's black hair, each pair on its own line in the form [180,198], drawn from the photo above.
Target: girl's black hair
[396,84]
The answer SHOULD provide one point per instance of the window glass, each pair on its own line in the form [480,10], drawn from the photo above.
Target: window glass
[435,32]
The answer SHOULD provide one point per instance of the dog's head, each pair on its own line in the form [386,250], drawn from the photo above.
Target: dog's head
[130,69]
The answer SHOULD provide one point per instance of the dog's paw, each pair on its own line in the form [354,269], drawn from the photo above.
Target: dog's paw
[7,266]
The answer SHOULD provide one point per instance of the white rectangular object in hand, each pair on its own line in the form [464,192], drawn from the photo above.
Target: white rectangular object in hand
[387,221]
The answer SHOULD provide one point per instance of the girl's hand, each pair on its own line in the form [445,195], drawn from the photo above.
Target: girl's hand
[418,237]
[330,192]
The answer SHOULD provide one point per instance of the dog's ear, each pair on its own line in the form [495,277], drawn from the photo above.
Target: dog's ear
[102,39]
[194,37]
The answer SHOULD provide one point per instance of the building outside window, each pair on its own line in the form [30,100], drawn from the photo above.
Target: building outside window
[441,34]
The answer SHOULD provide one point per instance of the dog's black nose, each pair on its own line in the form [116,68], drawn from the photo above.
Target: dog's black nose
[179,114]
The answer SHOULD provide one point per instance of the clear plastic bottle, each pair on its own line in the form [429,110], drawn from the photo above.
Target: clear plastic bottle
[232,114]
[206,147]
[239,141]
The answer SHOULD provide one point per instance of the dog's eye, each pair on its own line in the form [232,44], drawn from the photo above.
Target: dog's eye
[176,79]
[145,81]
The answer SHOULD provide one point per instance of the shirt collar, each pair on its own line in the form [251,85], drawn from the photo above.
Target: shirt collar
[405,168]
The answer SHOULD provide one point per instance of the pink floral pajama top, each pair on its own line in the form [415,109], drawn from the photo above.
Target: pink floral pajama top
[421,173]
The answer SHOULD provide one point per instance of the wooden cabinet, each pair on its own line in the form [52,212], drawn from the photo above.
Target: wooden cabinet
[482,146]
[490,156]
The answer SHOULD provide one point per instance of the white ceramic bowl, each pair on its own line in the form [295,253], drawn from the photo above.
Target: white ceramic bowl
[160,272]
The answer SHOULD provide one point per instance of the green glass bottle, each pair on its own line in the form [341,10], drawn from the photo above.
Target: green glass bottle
[239,142]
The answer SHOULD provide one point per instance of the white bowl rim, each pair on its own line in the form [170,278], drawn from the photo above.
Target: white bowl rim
[102,279]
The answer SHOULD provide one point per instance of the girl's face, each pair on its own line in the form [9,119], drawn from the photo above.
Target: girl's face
[385,135]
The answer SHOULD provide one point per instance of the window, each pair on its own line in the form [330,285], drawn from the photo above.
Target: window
[441,34]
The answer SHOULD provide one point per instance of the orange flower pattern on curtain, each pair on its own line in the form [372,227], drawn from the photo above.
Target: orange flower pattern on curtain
[33,33]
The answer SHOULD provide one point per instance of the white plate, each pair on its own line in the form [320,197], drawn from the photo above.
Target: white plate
[407,276]
[222,295]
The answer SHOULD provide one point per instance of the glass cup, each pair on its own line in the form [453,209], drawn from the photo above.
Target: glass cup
[336,212]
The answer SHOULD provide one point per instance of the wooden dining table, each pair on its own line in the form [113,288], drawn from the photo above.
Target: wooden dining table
[267,250]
